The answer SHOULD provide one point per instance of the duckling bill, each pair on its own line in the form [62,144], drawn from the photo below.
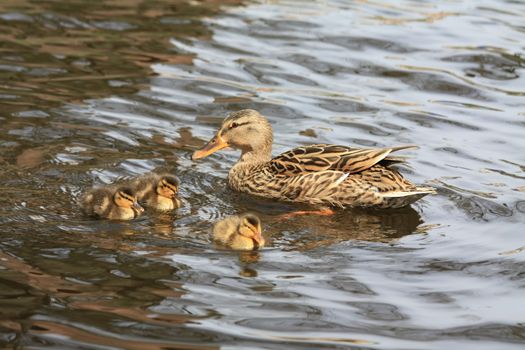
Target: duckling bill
[239,232]
[114,203]
[157,191]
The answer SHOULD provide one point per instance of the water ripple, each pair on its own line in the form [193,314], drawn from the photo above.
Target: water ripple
[136,92]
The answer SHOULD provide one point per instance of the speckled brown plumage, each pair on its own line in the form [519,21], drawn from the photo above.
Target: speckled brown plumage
[317,174]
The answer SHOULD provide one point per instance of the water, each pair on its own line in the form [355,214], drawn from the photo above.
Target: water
[94,93]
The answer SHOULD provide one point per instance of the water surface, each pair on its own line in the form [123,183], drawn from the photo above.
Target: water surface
[94,93]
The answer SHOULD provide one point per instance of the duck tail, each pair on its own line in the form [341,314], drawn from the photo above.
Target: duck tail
[398,199]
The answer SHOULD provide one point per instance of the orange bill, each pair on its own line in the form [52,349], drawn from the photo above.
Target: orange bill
[258,237]
[137,207]
[215,144]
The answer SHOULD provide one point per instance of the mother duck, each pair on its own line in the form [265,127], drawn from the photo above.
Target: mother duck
[320,174]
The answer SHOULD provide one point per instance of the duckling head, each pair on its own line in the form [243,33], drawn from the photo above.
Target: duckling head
[168,186]
[124,197]
[250,227]
[246,130]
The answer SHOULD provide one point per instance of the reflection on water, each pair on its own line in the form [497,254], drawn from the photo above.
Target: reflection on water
[92,93]
[54,53]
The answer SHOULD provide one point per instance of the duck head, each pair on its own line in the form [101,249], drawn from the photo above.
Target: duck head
[124,197]
[246,130]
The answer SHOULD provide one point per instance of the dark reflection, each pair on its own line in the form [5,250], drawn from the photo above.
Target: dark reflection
[55,52]
[91,284]
[311,232]
[248,259]
[18,300]
[477,205]
[491,66]
[53,261]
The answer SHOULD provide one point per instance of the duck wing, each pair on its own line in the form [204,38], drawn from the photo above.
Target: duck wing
[322,157]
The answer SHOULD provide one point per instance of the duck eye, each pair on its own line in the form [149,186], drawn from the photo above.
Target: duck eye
[234,125]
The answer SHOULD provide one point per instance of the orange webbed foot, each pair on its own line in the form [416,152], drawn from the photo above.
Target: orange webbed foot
[322,212]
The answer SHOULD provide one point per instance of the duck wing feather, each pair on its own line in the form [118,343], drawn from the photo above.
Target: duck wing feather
[322,157]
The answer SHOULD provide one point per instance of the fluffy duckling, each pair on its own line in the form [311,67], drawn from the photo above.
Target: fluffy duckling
[239,232]
[114,203]
[158,191]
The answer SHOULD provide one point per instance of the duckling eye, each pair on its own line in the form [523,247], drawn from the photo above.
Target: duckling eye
[125,197]
[252,220]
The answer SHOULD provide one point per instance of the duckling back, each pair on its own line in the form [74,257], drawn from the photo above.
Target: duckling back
[145,185]
[97,202]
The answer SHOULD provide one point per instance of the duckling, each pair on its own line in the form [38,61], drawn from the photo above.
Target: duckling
[110,202]
[239,232]
[158,191]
